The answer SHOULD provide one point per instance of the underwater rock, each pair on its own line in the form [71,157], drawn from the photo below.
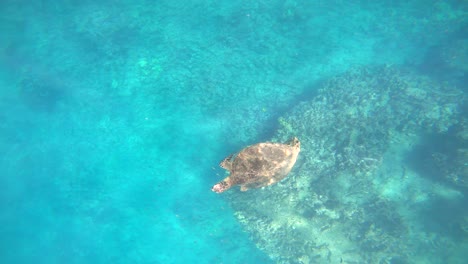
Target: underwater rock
[329,209]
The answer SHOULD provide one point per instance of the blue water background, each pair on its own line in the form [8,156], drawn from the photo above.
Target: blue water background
[115,114]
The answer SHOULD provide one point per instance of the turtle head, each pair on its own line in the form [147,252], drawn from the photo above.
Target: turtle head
[222,186]
[294,142]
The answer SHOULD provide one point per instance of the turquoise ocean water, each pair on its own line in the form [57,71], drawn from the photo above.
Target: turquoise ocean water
[114,115]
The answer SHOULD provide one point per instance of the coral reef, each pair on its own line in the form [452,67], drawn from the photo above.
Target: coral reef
[341,203]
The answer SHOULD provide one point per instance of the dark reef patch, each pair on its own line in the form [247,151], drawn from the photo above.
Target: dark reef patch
[441,157]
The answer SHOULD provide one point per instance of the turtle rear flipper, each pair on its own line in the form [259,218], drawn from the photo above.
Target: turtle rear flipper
[227,163]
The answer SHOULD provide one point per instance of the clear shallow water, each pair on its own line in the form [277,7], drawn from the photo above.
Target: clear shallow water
[115,115]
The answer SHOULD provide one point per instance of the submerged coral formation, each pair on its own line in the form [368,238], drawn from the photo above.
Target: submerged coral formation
[354,197]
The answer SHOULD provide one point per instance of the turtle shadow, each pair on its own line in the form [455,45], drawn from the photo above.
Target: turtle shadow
[41,93]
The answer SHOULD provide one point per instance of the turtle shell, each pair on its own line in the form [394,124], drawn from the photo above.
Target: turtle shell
[261,164]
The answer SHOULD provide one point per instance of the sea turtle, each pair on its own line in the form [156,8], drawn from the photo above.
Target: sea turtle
[259,165]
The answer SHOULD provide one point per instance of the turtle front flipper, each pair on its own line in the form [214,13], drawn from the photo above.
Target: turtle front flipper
[227,163]
[222,185]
